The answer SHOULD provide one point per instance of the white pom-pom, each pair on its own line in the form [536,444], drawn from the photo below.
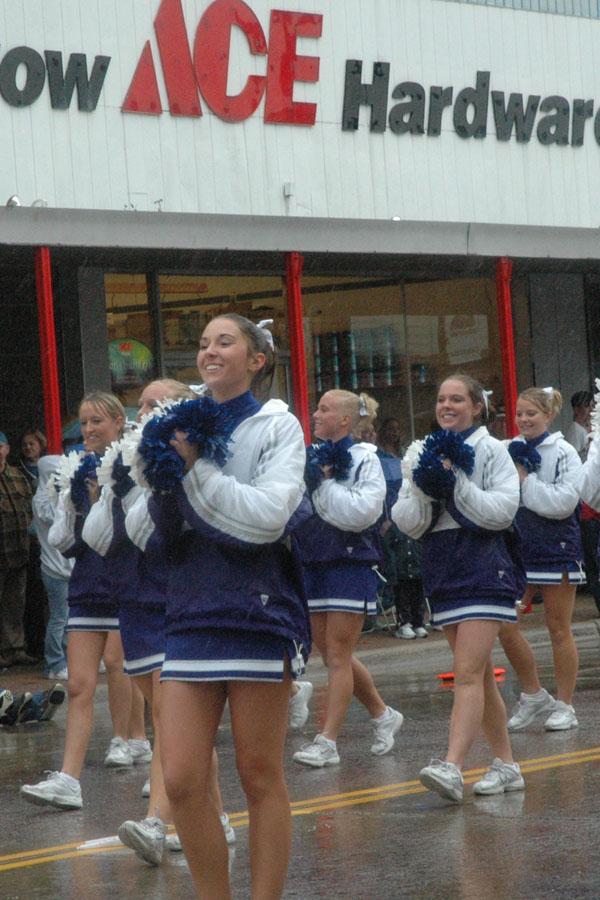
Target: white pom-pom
[595,417]
[410,460]
[105,469]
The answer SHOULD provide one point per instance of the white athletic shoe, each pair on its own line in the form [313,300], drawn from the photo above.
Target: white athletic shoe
[444,778]
[406,632]
[141,751]
[118,753]
[6,700]
[146,788]
[322,752]
[174,844]
[421,632]
[385,731]
[298,706]
[529,707]
[562,718]
[500,777]
[146,837]
[58,675]
[56,791]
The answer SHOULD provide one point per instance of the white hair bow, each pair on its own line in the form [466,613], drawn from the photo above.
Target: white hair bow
[264,326]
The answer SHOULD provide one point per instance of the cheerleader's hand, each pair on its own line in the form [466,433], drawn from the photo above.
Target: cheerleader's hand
[523,473]
[93,490]
[327,471]
[188,452]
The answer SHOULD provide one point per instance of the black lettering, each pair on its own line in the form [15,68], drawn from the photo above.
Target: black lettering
[357,94]
[554,128]
[62,85]
[439,99]
[34,79]
[513,116]
[409,117]
[477,98]
[582,111]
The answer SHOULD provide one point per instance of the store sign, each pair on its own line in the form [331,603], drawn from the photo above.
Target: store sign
[23,73]
[205,69]
[421,111]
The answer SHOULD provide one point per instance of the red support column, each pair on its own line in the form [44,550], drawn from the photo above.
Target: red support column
[294,263]
[504,269]
[45,301]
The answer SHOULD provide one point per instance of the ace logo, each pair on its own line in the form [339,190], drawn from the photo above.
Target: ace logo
[201,73]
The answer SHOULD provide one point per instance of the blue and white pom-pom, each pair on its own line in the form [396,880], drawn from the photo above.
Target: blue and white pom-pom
[59,481]
[115,467]
[326,453]
[595,417]
[523,454]
[157,465]
[431,475]
[410,461]
[79,482]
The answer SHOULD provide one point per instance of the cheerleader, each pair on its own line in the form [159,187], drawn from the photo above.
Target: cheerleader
[93,622]
[549,469]
[236,627]
[141,586]
[460,494]
[339,550]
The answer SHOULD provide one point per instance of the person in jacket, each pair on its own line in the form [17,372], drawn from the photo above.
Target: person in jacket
[549,470]
[236,621]
[460,494]
[339,549]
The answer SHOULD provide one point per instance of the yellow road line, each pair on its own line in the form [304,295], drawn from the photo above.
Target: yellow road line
[326,803]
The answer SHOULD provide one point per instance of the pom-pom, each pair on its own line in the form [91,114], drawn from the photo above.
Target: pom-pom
[335,456]
[595,417]
[523,454]
[410,461]
[207,424]
[431,475]
[79,487]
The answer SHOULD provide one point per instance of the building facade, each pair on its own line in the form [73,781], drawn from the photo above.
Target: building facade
[181,157]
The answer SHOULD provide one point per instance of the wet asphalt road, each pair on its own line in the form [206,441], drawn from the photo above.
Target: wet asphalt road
[365,829]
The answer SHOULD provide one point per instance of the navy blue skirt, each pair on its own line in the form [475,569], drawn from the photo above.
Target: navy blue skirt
[93,616]
[341,587]
[143,636]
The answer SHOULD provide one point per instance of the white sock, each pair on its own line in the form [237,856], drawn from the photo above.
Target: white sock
[537,695]
[384,715]
[68,779]
[329,741]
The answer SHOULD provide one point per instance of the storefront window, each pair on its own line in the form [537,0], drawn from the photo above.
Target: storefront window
[189,302]
[131,351]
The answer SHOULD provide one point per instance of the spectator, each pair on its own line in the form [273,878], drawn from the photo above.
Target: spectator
[16,709]
[56,571]
[15,516]
[578,434]
[33,447]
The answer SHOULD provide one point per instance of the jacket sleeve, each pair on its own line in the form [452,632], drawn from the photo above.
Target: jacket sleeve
[412,512]
[588,479]
[62,533]
[43,508]
[99,527]
[559,499]
[228,511]
[353,507]
[494,506]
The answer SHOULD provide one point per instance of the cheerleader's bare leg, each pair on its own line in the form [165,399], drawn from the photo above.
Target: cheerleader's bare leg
[137,724]
[471,643]
[119,685]
[189,719]
[158,802]
[259,713]
[519,652]
[495,718]
[559,600]
[84,652]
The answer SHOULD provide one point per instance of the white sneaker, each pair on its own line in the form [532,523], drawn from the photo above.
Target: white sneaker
[56,790]
[118,753]
[6,699]
[406,632]
[500,777]
[298,706]
[385,731]
[146,788]
[562,718]
[174,844]
[421,632]
[322,752]
[529,707]
[58,675]
[444,778]
[228,829]
[101,667]
[147,838]
[141,750]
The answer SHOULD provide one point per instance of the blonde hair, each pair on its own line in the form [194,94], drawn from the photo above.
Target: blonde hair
[548,400]
[361,408]
[177,390]
[107,403]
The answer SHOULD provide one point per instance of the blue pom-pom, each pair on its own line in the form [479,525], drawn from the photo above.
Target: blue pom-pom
[433,478]
[122,480]
[205,423]
[450,445]
[79,489]
[336,456]
[523,454]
